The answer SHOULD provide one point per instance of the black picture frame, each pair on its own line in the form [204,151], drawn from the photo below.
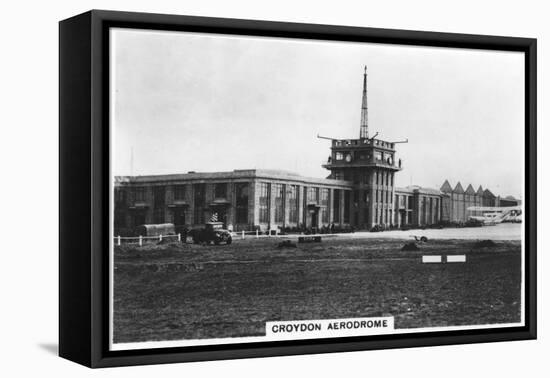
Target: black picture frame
[84,192]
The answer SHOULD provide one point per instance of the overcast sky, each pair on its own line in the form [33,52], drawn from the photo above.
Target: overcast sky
[197,102]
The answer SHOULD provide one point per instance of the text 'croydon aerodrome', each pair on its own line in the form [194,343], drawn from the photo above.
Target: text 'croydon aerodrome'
[330,327]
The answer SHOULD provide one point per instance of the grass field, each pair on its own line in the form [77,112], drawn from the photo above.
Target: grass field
[175,291]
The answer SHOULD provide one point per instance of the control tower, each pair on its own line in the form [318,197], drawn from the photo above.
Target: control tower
[370,164]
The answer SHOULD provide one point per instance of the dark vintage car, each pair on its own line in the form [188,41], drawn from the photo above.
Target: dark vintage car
[213,232]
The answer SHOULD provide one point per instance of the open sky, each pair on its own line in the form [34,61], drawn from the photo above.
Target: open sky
[197,102]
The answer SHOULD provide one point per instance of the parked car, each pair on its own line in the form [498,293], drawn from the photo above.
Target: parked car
[213,232]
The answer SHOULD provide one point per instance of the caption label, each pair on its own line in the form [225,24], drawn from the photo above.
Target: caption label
[301,329]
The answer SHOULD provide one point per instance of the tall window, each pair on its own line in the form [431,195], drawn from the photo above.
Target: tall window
[264,202]
[424,210]
[336,205]
[324,205]
[313,195]
[179,192]
[347,202]
[120,195]
[220,190]
[119,216]
[431,209]
[293,203]
[158,204]
[378,155]
[241,191]
[139,194]
[279,190]
[199,196]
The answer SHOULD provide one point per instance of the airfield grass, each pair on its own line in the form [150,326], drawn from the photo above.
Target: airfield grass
[185,291]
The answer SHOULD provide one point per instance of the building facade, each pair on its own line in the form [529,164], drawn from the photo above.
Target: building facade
[417,206]
[241,199]
[369,165]
[359,192]
[456,201]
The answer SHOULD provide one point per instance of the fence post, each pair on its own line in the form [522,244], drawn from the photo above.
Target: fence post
[118,239]
[242,234]
[140,240]
[160,237]
[179,237]
[256,234]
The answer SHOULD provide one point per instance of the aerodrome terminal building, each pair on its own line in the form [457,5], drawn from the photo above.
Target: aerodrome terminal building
[359,192]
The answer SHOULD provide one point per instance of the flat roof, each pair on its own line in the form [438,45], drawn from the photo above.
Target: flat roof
[269,174]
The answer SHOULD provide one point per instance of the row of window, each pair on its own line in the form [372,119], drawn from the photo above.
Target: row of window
[280,192]
[319,196]
[180,192]
[355,142]
[199,197]
[382,216]
[407,201]
[383,178]
[430,209]
[378,156]
[380,177]
[383,196]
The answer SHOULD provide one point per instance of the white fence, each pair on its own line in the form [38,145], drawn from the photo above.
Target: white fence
[140,239]
[119,240]
[275,234]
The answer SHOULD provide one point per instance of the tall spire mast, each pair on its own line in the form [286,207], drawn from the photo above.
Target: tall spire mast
[364,133]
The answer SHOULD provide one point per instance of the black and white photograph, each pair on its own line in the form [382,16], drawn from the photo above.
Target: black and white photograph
[290,188]
[270,189]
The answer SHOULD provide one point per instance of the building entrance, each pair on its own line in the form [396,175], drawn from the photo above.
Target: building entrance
[313,218]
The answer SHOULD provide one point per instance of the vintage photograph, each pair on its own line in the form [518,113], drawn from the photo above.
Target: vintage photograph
[269,189]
